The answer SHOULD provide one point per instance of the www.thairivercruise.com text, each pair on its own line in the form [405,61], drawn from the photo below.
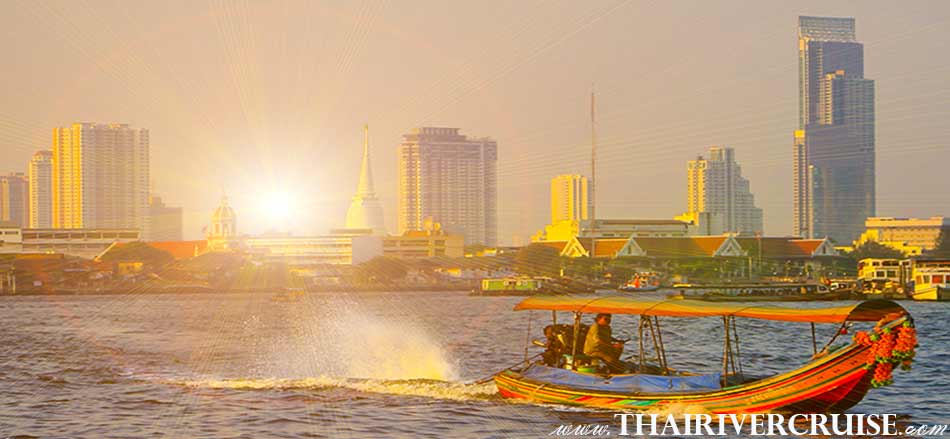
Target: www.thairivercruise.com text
[638,424]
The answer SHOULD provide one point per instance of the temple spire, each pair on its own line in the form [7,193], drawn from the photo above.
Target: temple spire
[365,188]
[366,212]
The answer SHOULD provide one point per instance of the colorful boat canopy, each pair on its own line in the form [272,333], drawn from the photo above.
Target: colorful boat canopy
[867,311]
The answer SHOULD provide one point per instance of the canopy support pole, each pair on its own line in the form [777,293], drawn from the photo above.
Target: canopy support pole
[725,350]
[662,347]
[735,336]
[640,340]
[656,345]
[577,332]
[814,340]
[554,317]
[527,337]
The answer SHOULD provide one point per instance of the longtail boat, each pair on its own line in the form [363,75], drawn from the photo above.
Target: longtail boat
[835,378]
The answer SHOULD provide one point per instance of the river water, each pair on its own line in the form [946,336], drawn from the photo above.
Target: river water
[346,365]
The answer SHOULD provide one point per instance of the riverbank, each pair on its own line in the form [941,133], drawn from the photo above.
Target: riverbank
[263,290]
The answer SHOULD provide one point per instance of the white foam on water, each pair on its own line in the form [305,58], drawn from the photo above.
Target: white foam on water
[426,388]
[340,339]
[337,344]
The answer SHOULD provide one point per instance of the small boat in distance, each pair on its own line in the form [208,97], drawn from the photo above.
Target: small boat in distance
[760,292]
[642,282]
[835,378]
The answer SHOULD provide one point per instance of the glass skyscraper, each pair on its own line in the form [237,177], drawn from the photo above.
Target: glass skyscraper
[834,144]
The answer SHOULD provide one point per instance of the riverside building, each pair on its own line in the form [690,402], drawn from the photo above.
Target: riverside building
[14,199]
[570,198]
[163,223]
[717,190]
[450,178]
[41,190]
[100,176]
[912,236]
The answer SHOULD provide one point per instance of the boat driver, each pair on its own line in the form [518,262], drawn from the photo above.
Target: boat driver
[600,344]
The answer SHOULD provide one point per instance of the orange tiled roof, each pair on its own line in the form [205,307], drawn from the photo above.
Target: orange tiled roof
[181,249]
[607,248]
[557,245]
[685,247]
[808,245]
[781,247]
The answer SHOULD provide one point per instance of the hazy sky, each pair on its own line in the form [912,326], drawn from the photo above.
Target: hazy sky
[260,97]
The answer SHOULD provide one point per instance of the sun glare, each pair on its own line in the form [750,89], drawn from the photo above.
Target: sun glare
[277,206]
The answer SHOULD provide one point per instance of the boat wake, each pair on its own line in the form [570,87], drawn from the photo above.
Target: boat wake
[339,345]
[455,391]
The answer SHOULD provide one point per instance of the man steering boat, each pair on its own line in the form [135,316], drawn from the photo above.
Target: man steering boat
[600,344]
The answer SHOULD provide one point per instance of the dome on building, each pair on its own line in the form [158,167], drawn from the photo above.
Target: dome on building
[223,224]
[366,212]
[224,212]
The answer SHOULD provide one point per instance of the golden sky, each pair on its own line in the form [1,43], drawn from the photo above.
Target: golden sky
[261,97]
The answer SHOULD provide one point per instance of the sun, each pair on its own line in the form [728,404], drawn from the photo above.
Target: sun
[277,206]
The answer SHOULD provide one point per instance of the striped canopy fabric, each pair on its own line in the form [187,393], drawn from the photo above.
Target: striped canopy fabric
[867,311]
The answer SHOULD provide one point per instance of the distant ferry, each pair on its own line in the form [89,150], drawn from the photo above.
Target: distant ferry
[881,277]
[931,279]
[510,286]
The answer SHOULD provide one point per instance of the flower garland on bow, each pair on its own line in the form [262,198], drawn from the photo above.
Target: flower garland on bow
[888,348]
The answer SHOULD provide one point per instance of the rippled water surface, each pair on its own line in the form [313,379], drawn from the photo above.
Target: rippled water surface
[344,365]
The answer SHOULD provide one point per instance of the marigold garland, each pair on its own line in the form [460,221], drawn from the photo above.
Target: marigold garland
[887,348]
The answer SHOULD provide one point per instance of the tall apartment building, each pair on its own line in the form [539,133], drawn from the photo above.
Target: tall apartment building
[41,190]
[570,198]
[14,199]
[716,186]
[163,223]
[833,148]
[451,179]
[100,176]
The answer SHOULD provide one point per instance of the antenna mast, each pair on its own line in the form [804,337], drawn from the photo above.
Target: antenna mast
[593,175]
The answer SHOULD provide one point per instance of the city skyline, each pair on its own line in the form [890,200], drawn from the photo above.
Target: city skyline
[245,127]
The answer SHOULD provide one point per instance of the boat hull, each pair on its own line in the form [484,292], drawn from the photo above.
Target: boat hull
[646,289]
[846,295]
[934,292]
[832,383]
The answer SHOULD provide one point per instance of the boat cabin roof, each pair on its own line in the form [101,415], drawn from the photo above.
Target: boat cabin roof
[867,311]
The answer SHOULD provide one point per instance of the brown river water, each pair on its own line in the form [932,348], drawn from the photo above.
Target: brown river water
[346,365]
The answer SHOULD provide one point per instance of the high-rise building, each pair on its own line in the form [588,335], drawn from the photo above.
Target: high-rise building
[41,190]
[450,178]
[570,198]
[716,186]
[14,199]
[365,210]
[163,223]
[100,176]
[833,153]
